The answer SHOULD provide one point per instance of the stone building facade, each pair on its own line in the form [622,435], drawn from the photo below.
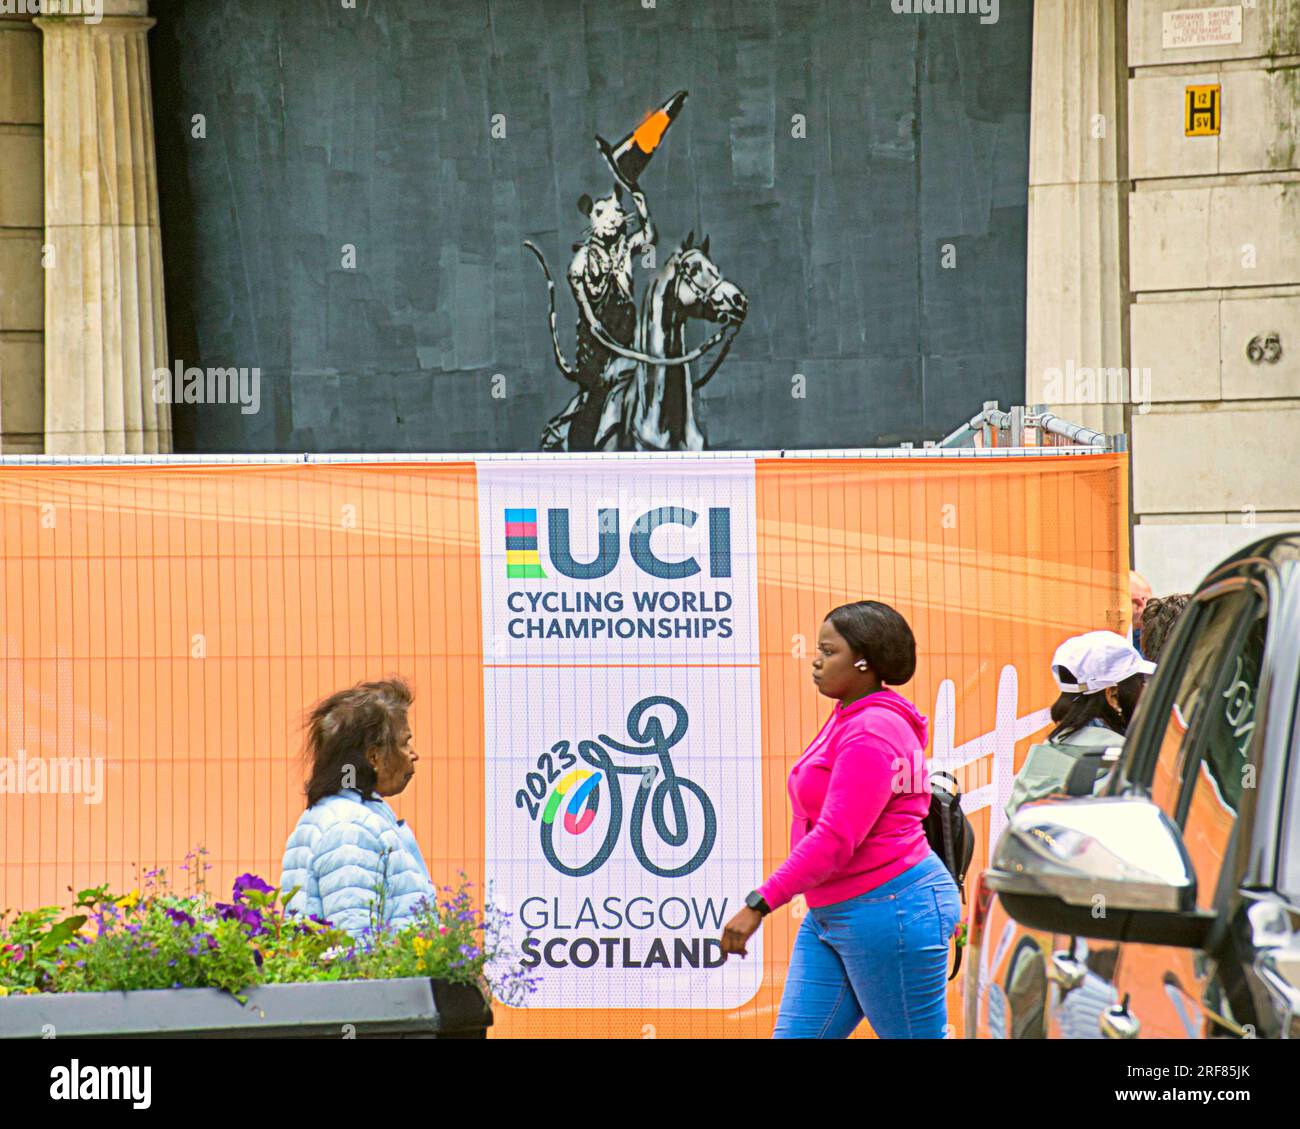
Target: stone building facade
[1167,266]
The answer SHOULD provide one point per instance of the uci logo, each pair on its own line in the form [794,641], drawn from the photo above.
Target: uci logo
[523,560]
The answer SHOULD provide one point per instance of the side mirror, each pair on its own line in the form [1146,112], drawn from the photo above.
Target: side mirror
[1111,867]
[1277,963]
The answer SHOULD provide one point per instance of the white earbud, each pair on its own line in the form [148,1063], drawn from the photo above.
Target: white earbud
[861,664]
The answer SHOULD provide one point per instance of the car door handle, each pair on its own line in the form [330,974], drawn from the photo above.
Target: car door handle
[1117,1022]
[1066,971]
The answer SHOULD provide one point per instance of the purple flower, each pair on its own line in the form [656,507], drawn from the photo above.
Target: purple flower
[199,942]
[245,915]
[133,929]
[246,882]
[180,917]
[257,957]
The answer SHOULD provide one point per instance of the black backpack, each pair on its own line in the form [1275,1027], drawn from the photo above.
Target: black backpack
[951,836]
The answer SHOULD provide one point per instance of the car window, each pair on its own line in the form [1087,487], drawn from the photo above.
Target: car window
[1218,769]
[1202,763]
[1215,625]
[1289,862]
[1289,849]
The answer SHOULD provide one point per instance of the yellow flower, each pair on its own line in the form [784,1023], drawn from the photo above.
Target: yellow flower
[128,901]
[3,991]
[421,945]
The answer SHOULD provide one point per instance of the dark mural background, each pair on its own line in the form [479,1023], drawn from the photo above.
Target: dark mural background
[328,126]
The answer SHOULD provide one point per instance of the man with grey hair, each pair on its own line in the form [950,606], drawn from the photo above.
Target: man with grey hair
[1139,590]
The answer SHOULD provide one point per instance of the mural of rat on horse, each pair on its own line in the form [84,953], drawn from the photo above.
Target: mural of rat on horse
[636,389]
[649,390]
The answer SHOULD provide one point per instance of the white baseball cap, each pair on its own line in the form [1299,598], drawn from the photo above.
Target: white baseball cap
[1098,659]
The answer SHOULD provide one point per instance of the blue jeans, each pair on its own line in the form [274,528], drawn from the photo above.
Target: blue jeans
[883,954]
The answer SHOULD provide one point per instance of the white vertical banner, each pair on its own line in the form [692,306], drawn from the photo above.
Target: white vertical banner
[622,724]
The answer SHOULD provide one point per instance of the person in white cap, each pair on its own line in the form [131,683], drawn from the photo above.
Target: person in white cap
[1101,677]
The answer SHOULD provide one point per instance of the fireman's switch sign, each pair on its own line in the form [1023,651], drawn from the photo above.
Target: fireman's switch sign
[1204,107]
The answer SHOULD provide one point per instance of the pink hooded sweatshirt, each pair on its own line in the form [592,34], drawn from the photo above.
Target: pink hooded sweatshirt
[858,794]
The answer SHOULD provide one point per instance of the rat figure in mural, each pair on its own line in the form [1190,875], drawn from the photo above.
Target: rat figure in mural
[600,277]
[636,391]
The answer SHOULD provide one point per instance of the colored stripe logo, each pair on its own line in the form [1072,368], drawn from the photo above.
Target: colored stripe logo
[521,544]
[584,785]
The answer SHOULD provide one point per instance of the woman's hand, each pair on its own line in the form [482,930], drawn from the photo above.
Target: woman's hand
[740,929]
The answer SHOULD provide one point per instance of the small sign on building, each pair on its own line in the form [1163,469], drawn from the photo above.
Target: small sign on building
[1204,107]
[1201,27]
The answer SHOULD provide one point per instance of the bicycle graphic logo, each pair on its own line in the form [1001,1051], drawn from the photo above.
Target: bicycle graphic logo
[661,791]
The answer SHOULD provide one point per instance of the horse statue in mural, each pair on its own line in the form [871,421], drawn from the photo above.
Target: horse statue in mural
[649,388]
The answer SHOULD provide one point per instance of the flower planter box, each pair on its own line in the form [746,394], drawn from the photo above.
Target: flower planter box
[407,1008]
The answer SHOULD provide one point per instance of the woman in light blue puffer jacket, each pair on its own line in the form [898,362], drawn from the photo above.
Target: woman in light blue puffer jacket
[350,857]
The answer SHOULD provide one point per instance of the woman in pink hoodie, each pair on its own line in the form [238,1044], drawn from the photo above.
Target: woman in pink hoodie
[881,904]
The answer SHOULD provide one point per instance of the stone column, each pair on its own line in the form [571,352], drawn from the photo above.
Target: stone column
[1077,301]
[105,325]
[22,286]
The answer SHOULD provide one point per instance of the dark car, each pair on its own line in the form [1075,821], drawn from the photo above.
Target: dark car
[1167,906]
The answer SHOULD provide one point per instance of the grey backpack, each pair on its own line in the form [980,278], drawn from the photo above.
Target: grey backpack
[1071,767]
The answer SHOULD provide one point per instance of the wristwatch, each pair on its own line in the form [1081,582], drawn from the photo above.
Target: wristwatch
[755,901]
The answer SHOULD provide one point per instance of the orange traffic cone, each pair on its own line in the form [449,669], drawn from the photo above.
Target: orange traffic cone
[629,158]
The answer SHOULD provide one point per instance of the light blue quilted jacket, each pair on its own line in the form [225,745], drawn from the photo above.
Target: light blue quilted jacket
[336,857]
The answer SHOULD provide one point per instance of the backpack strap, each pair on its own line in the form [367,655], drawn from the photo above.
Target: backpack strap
[946,823]
[946,810]
[1084,773]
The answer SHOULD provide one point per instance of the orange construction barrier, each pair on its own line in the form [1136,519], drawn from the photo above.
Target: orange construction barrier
[165,626]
